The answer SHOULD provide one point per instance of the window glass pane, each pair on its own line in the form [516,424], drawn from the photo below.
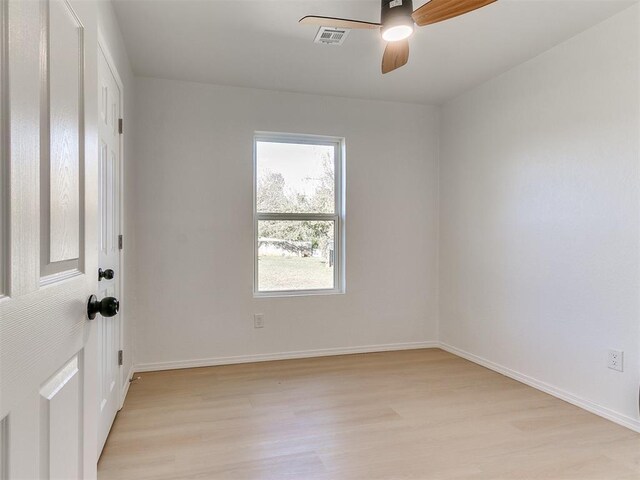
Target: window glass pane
[295,255]
[295,178]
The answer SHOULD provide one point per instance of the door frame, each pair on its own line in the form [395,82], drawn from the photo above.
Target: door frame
[104,48]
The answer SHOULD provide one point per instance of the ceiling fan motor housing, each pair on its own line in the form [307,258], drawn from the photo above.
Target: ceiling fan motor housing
[396,12]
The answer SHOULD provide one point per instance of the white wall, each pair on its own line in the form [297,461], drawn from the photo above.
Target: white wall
[194,216]
[111,35]
[540,219]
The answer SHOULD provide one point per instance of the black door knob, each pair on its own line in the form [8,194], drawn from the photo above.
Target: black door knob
[107,307]
[108,274]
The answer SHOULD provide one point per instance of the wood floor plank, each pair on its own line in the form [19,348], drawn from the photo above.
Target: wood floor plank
[420,414]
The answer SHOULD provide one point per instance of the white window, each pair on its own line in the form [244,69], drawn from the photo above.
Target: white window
[299,214]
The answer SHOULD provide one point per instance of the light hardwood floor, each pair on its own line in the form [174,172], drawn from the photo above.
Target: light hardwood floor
[421,414]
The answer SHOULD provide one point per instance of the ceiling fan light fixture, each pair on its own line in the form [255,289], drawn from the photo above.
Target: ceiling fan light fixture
[396,20]
[396,33]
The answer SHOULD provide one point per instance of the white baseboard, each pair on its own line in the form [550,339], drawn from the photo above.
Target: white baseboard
[125,390]
[265,357]
[585,404]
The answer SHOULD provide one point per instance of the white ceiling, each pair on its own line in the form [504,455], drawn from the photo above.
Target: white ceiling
[259,44]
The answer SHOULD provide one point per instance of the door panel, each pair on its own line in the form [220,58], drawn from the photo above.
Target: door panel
[65,125]
[109,255]
[60,423]
[62,135]
[47,345]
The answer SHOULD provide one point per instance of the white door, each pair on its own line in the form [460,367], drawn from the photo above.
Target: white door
[109,256]
[48,259]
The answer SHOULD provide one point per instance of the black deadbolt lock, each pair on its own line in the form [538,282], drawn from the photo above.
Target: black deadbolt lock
[108,274]
[107,307]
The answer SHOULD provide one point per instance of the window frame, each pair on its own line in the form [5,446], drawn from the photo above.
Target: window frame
[337,216]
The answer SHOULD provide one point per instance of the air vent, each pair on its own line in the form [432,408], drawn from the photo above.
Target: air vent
[331,35]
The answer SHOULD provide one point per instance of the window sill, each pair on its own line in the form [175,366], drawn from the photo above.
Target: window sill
[297,293]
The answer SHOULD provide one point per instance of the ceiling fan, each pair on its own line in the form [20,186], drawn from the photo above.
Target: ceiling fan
[397,20]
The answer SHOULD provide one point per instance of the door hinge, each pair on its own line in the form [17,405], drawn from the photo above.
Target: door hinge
[120,128]
[120,358]
[120,241]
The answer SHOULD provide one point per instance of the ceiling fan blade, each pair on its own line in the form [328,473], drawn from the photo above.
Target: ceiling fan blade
[438,10]
[396,54]
[337,22]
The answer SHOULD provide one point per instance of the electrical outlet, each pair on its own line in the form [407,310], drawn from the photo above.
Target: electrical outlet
[258,320]
[616,360]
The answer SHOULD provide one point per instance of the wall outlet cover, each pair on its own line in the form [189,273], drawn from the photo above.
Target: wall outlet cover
[615,361]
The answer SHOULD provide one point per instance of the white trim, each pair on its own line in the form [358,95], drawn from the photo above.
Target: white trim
[104,49]
[583,403]
[102,44]
[313,217]
[125,390]
[5,152]
[337,217]
[266,357]
[4,447]
[297,293]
